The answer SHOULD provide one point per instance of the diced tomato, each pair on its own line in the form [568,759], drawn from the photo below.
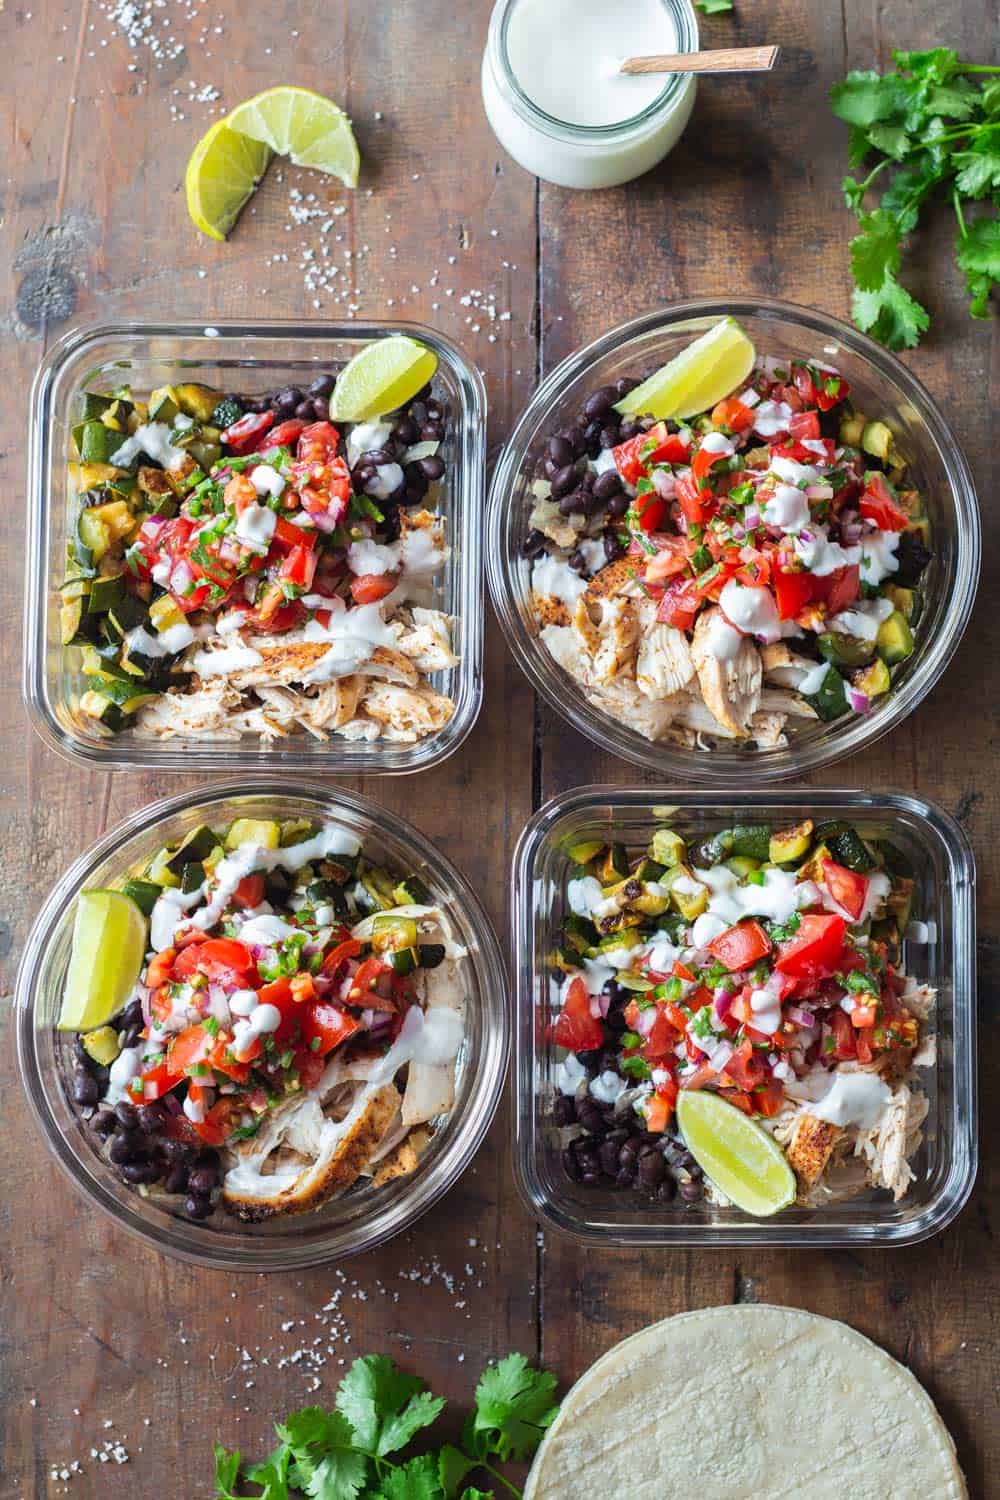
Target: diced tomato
[318,443]
[739,1098]
[349,948]
[627,460]
[846,1046]
[244,435]
[250,891]
[663,447]
[223,960]
[574,1027]
[156,1082]
[863,1016]
[159,1003]
[681,971]
[793,592]
[650,509]
[702,463]
[660,1105]
[680,604]
[661,1040]
[676,1016]
[692,502]
[159,968]
[847,887]
[837,589]
[804,384]
[371,986]
[733,414]
[310,1066]
[284,435]
[696,1078]
[768,1098]
[671,558]
[804,424]
[324,488]
[368,588]
[190,1048]
[329,1024]
[740,946]
[274,616]
[217,1126]
[745,1067]
[299,567]
[287,536]
[814,951]
[864,1042]
[878,504]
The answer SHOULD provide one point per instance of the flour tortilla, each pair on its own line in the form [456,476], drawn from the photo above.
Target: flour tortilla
[747,1400]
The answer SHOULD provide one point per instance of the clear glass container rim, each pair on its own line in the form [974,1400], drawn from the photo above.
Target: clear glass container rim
[492,1068]
[719,768]
[498,59]
[597,797]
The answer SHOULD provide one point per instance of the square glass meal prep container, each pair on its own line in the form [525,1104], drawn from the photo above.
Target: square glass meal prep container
[944,901]
[251,357]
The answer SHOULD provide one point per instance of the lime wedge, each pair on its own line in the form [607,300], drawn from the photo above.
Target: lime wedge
[310,129]
[736,1153]
[109,942]
[381,377]
[702,374]
[222,173]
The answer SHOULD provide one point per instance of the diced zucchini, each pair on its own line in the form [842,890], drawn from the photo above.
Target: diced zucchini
[380,887]
[790,843]
[94,476]
[103,1045]
[612,864]
[845,650]
[648,869]
[667,847]
[145,894]
[194,846]
[614,942]
[94,534]
[105,593]
[96,706]
[876,438]
[895,638]
[412,892]
[712,849]
[192,877]
[908,601]
[431,955]
[830,700]
[402,960]
[899,902]
[259,831]
[164,404]
[126,615]
[159,870]
[812,868]
[649,903]
[852,425]
[164,613]
[752,841]
[911,502]
[742,866]
[873,680]
[391,932]
[580,935]
[582,852]
[96,443]
[921,529]
[227,412]
[295,831]
[690,903]
[72,626]
[198,401]
[846,845]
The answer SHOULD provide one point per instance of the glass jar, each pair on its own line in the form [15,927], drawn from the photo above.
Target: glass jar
[585,156]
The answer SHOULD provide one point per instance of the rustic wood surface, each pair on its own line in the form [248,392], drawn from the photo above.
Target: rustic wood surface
[101,1342]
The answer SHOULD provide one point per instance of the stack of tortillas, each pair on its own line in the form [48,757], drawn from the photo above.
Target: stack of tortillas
[747,1401]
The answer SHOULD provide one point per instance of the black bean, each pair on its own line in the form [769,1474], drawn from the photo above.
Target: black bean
[667,1190]
[618,505]
[286,400]
[255,404]
[323,385]
[564,1111]
[561,451]
[80,1053]
[140,1171]
[321,408]
[105,1122]
[625,1177]
[563,480]
[431,432]
[652,1168]
[589,1059]
[86,1091]
[208,1157]
[123,1148]
[576,561]
[692,1192]
[417,412]
[608,1061]
[613,548]
[608,485]
[533,544]
[600,402]
[131,1035]
[151,1118]
[571,1166]
[437,410]
[176,1151]
[624,385]
[176,1180]
[628,429]
[376,456]
[616,1022]
[203,1180]
[587,481]
[591,1179]
[406,431]
[609,437]
[628,1154]
[197,1207]
[573,504]
[590,1117]
[132,1014]
[416,478]
[126,1115]
[608,1157]
[432,466]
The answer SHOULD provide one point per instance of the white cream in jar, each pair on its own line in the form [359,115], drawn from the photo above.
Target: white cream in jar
[557,100]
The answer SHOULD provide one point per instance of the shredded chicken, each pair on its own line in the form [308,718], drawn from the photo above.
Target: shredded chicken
[731,688]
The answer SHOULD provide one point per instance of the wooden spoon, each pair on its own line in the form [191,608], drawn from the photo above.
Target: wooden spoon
[723,60]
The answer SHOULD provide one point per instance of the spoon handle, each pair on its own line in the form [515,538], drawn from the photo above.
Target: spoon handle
[723,60]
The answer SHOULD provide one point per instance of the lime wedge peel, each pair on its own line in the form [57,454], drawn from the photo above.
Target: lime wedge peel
[704,372]
[739,1156]
[222,174]
[109,944]
[381,377]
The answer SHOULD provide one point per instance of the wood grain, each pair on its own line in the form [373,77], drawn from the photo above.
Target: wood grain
[94,1328]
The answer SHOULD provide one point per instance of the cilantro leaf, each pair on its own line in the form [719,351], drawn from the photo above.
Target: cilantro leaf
[892,140]
[979,248]
[227,1472]
[384,1406]
[416,1480]
[713,7]
[907,191]
[453,1466]
[890,315]
[980,171]
[514,1405]
[327,1464]
[936,65]
[272,1473]
[875,251]
[338,1476]
[864,98]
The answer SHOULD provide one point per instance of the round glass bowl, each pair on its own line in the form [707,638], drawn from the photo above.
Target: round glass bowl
[882,387]
[363,1217]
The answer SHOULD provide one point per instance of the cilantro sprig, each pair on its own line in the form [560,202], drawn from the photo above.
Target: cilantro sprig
[353,1452]
[930,130]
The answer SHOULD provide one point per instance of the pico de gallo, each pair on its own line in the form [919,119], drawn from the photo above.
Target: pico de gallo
[283,967]
[217,531]
[764,965]
[775,535]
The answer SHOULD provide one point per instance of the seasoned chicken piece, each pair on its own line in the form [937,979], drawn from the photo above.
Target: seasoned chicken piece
[406,713]
[300,1158]
[622,700]
[892,1140]
[768,730]
[428,643]
[786,703]
[281,663]
[360,729]
[730,688]
[404,1158]
[549,610]
[782,666]
[617,578]
[810,1146]
[664,664]
[388,665]
[608,630]
[205,713]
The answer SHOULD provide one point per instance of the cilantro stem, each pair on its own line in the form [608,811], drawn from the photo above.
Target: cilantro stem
[495,1474]
[978,68]
[957,202]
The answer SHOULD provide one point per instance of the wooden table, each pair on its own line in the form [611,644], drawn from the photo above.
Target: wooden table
[101,1341]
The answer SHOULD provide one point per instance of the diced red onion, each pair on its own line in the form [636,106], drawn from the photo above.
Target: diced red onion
[819,491]
[324,521]
[172,1103]
[646,1021]
[218,1005]
[850,533]
[721,1056]
[798,1016]
[604,1004]
[751,517]
[860,702]
[663,483]
[144,1001]
[181,577]
[681,522]
[808,536]
[739,532]
[722,1003]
